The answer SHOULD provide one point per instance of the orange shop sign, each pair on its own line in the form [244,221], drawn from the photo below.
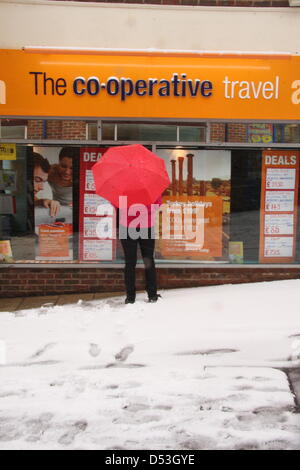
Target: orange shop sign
[145,85]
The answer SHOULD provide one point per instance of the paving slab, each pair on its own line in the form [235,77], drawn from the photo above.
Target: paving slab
[73,298]
[104,295]
[9,305]
[37,302]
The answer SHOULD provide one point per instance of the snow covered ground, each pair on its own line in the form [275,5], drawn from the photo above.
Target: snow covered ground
[201,369]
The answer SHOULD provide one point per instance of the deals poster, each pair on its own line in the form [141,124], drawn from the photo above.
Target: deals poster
[279,206]
[53,202]
[198,201]
[96,233]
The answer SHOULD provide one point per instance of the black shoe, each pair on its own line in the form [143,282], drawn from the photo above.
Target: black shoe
[129,300]
[154,298]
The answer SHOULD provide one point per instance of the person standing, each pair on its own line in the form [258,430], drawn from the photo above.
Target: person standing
[131,236]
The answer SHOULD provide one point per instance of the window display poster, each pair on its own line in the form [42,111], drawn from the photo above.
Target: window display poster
[98,250]
[198,178]
[279,201]
[279,224]
[280,178]
[260,133]
[8,152]
[5,252]
[53,201]
[94,245]
[54,242]
[236,252]
[279,247]
[279,206]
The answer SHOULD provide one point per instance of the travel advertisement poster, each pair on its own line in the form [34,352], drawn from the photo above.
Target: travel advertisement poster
[198,201]
[53,202]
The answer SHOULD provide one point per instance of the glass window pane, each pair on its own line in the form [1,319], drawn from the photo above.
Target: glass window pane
[287,133]
[108,131]
[142,132]
[91,130]
[192,134]
[13,129]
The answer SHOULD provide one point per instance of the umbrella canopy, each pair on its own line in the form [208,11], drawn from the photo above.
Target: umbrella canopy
[132,171]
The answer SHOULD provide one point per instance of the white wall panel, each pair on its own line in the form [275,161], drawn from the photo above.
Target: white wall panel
[76,24]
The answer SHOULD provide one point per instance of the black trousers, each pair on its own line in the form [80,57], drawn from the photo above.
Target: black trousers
[130,247]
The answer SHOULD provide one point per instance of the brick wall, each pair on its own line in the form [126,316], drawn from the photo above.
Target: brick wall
[56,129]
[219,3]
[217,132]
[16,282]
[53,129]
[231,132]
[73,130]
[237,133]
[35,129]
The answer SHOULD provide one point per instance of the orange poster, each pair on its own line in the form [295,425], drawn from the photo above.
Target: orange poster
[190,227]
[279,206]
[54,241]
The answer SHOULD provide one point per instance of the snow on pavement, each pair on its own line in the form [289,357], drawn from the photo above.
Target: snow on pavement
[198,370]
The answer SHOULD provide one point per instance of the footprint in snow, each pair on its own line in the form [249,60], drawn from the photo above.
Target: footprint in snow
[124,353]
[38,426]
[44,309]
[77,428]
[94,350]
[42,350]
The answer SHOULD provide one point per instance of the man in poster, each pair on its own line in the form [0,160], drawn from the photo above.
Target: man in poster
[40,177]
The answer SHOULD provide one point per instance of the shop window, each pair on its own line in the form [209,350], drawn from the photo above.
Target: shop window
[245,204]
[247,201]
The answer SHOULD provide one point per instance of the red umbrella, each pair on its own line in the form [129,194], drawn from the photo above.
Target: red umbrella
[132,171]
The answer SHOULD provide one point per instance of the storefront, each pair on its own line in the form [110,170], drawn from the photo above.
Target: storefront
[227,127]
